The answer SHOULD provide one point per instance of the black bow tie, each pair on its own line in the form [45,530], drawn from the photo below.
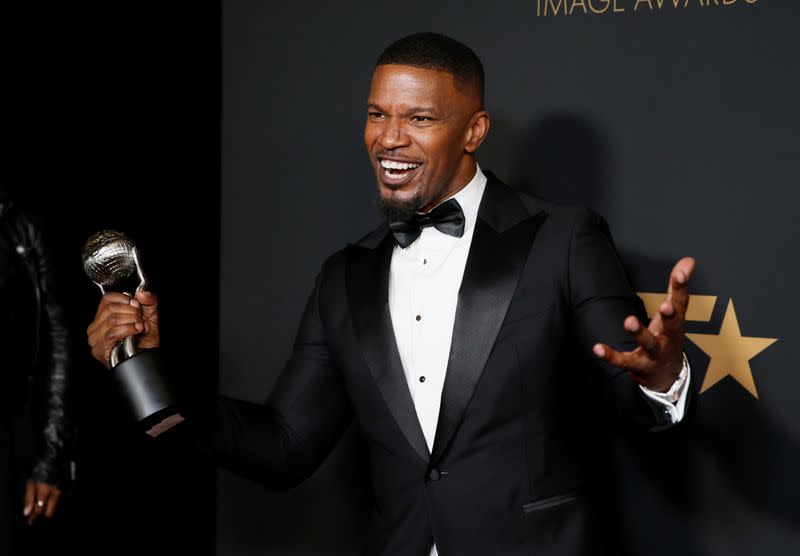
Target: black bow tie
[448,218]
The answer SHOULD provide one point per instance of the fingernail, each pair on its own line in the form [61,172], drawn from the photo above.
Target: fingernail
[27,511]
[134,303]
[680,277]
[599,351]
[634,327]
[139,326]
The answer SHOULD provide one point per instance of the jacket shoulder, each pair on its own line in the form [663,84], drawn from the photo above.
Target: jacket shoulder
[338,259]
[558,214]
[373,237]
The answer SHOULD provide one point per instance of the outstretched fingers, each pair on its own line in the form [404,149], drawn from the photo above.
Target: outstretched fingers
[673,309]
[643,336]
[657,359]
[628,361]
[611,356]
[639,359]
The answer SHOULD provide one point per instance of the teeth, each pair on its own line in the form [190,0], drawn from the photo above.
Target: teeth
[394,165]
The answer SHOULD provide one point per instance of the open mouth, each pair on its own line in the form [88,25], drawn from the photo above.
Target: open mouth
[396,172]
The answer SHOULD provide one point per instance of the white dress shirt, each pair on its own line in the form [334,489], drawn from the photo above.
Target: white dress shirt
[423,292]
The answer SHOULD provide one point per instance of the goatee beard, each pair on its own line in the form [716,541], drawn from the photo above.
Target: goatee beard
[395,210]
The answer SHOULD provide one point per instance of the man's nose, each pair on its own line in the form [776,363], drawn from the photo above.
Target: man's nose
[393,134]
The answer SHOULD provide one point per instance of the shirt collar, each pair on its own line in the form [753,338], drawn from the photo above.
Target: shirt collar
[470,196]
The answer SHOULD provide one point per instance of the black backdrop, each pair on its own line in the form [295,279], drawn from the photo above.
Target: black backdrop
[678,124]
[118,127]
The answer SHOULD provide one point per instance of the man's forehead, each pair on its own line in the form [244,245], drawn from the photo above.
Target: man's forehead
[398,80]
[409,72]
[396,67]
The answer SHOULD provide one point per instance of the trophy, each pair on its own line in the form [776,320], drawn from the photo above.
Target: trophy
[111,260]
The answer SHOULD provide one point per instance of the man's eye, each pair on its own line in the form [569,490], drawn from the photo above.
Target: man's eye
[420,119]
[375,116]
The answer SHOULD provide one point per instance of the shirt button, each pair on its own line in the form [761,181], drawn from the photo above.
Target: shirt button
[419,317]
[434,474]
[424,261]
[422,379]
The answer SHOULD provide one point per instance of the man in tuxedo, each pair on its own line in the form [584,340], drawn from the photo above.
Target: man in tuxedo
[474,340]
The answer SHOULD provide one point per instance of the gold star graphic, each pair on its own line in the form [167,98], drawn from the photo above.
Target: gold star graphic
[730,352]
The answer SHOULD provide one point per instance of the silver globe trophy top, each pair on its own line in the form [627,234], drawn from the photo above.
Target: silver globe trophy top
[110,257]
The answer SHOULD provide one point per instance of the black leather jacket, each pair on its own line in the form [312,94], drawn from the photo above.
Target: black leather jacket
[36,380]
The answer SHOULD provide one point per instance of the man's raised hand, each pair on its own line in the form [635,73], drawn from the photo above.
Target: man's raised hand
[657,361]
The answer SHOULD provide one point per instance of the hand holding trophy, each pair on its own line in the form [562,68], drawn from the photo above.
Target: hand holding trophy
[111,260]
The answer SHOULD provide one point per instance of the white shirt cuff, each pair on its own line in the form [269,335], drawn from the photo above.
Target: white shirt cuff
[672,402]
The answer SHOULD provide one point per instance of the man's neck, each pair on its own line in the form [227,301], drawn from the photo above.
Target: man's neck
[453,192]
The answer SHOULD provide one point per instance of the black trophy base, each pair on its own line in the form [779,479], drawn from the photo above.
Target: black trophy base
[141,380]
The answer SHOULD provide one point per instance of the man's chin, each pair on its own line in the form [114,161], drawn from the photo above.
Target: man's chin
[396,206]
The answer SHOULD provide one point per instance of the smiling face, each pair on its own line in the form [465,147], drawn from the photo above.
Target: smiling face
[421,134]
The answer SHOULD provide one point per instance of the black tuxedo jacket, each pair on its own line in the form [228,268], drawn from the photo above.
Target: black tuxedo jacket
[510,472]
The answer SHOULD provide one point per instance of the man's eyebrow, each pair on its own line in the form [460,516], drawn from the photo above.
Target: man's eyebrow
[417,109]
[412,110]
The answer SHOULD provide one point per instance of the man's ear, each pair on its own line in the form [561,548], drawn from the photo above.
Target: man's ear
[476,131]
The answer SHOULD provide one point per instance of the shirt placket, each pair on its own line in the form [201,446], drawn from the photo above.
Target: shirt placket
[426,342]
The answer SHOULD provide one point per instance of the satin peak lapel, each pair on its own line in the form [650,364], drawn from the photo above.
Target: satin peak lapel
[368,294]
[495,262]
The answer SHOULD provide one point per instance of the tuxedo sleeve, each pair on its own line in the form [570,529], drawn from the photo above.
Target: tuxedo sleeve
[281,442]
[601,298]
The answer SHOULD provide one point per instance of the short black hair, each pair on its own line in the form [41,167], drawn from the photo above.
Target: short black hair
[437,52]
